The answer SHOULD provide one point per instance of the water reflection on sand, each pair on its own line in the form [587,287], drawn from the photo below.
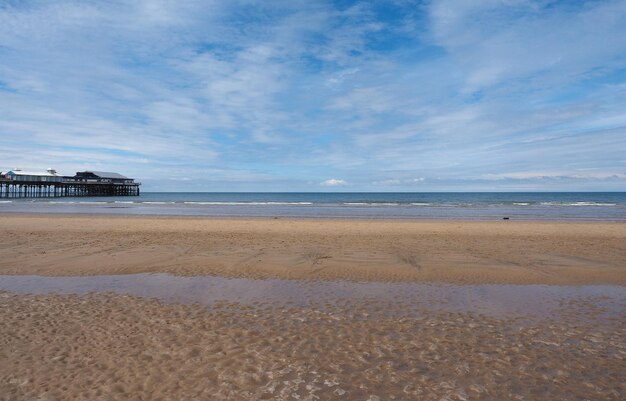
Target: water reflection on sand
[498,301]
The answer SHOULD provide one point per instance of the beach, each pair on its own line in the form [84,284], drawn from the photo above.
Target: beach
[312,200]
[129,307]
[118,347]
[461,252]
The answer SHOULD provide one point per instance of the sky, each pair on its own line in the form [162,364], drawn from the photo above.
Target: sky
[441,95]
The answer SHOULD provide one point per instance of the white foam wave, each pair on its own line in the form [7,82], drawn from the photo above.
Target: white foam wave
[577,204]
[282,203]
[247,203]
[371,204]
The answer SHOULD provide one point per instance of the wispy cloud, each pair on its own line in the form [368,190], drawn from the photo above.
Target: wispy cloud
[558,175]
[333,182]
[252,95]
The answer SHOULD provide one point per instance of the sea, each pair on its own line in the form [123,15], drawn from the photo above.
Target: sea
[594,206]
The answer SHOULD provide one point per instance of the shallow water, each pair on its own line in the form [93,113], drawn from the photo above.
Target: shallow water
[309,340]
[542,301]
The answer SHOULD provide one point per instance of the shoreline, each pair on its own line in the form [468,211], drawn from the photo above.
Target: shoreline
[572,206]
[442,251]
[157,216]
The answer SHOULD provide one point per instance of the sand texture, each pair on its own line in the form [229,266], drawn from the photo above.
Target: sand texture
[112,347]
[448,251]
[343,310]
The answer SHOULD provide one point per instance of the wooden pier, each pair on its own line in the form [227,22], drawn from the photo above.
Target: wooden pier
[82,185]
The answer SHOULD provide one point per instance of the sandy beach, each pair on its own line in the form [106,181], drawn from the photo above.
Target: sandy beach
[431,251]
[112,347]
[312,200]
[311,309]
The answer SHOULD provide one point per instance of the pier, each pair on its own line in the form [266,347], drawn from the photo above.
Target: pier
[21,184]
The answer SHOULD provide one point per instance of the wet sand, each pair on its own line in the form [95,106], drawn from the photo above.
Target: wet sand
[310,309]
[427,251]
[115,347]
[494,300]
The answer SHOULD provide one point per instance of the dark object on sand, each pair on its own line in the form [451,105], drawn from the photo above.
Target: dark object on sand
[505,218]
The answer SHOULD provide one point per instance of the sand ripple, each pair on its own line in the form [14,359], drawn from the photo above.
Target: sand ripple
[117,347]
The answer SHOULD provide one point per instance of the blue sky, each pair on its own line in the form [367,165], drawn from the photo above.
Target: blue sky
[504,95]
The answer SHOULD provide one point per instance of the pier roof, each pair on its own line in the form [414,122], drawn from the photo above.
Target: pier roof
[36,173]
[106,174]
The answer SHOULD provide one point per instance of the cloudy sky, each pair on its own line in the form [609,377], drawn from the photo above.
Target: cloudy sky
[318,95]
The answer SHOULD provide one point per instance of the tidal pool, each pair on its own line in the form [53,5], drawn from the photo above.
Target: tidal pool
[540,301]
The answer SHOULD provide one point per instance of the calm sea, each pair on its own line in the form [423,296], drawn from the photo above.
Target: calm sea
[528,206]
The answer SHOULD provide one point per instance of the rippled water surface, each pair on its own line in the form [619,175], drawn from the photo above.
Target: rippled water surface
[558,206]
[492,300]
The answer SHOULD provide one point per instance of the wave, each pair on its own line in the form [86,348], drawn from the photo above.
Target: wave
[246,203]
[386,204]
[577,204]
[72,202]
[325,203]
[371,204]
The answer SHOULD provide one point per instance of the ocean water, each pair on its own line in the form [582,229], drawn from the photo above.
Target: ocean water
[609,206]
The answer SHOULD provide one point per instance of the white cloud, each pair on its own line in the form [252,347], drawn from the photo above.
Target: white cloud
[333,182]
[500,41]
[540,175]
[255,92]
[397,181]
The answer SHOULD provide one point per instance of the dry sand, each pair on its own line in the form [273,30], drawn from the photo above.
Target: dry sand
[448,251]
